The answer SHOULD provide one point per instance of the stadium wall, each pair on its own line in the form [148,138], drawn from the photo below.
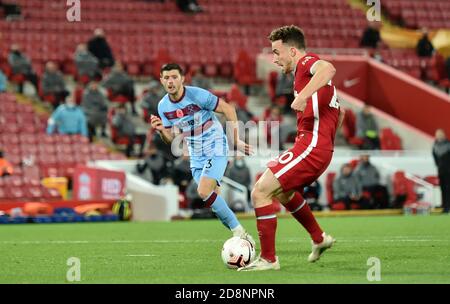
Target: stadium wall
[394,92]
[149,202]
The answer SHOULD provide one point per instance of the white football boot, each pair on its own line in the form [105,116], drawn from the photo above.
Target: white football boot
[248,237]
[261,264]
[318,249]
[240,232]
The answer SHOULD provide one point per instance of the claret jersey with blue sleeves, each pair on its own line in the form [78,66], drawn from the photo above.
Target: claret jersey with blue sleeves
[193,114]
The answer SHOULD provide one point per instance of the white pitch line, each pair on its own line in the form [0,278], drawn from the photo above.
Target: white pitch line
[75,242]
[141,255]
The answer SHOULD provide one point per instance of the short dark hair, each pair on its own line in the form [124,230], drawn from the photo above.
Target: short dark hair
[171,66]
[289,34]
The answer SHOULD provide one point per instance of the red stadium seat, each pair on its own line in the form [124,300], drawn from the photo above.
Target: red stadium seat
[389,140]
[237,96]
[329,187]
[403,188]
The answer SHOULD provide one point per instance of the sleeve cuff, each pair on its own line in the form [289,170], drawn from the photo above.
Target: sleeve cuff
[311,68]
[217,104]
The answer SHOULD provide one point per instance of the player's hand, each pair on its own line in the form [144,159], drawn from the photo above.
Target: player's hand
[244,147]
[156,123]
[299,103]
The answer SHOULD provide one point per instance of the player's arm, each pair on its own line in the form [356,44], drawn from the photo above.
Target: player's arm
[341,117]
[323,72]
[230,114]
[165,133]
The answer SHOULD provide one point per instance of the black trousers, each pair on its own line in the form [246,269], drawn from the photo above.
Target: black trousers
[379,196]
[33,78]
[444,181]
[132,141]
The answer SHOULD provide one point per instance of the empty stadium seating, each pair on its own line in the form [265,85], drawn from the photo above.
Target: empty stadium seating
[137,30]
[418,14]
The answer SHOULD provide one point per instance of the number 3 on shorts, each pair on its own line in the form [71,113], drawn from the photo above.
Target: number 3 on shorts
[208,164]
[285,157]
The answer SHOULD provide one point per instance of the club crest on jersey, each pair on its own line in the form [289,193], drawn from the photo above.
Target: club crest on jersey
[179,113]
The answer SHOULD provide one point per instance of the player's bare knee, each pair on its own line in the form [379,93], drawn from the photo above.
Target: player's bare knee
[204,192]
[258,194]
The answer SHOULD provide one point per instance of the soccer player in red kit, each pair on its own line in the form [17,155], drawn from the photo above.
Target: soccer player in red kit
[318,117]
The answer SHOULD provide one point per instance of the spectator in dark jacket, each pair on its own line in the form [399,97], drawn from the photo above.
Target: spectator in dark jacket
[53,84]
[369,178]
[447,67]
[370,37]
[201,81]
[155,163]
[367,129]
[441,156]
[311,194]
[126,127]
[181,174]
[285,88]
[100,48]
[347,189]
[86,63]
[21,65]
[189,6]
[424,46]
[95,106]
[194,200]
[240,173]
[150,99]
[120,83]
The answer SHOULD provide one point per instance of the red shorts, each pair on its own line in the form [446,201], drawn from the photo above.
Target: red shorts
[300,166]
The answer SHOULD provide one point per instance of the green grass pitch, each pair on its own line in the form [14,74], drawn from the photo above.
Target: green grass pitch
[411,249]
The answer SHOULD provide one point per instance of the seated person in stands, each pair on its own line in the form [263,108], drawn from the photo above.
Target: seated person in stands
[53,85]
[311,194]
[189,6]
[181,174]
[10,9]
[3,82]
[371,36]
[6,168]
[271,117]
[21,65]
[99,47]
[126,127]
[200,80]
[367,129]
[95,106]
[194,200]
[239,172]
[151,98]
[86,63]
[447,67]
[285,89]
[369,178]
[118,83]
[156,164]
[424,47]
[348,190]
[69,119]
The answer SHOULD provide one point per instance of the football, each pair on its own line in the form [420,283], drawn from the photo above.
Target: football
[237,252]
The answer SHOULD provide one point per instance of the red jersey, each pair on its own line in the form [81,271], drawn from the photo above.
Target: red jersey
[316,125]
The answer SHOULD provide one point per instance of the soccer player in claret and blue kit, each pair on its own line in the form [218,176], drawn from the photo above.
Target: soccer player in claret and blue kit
[190,111]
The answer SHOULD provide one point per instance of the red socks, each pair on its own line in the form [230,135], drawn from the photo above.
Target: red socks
[266,223]
[299,209]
